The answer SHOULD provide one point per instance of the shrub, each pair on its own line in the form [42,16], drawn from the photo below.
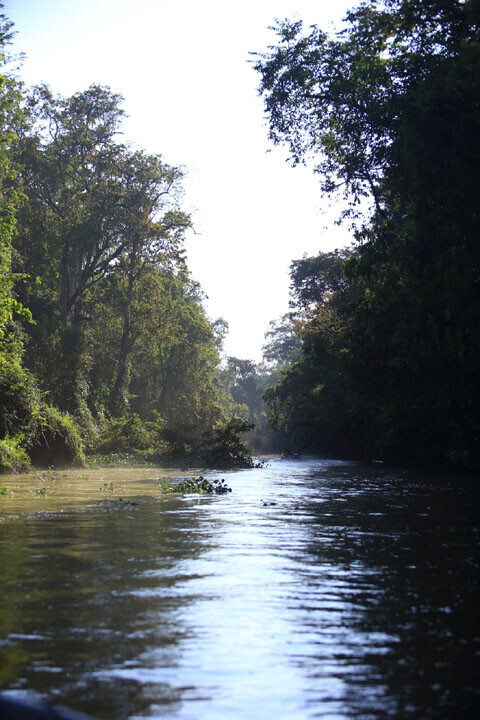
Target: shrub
[13,458]
[222,447]
[56,440]
[178,439]
[20,399]
[125,434]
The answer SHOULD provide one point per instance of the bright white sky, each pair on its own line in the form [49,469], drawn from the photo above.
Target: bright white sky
[191,96]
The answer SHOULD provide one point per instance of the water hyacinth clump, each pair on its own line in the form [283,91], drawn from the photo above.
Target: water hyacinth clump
[197,486]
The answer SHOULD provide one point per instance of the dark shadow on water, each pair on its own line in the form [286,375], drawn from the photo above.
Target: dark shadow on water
[407,550]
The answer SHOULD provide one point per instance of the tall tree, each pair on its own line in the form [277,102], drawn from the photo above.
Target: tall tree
[153,227]
[10,114]
[74,187]
[283,343]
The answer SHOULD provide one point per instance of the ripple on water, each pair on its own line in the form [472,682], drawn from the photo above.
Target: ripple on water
[314,589]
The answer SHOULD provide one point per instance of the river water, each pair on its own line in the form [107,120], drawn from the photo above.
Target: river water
[315,589]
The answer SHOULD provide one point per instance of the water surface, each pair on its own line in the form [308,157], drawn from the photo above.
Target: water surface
[316,589]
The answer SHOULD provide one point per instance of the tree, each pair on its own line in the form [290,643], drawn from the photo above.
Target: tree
[154,229]
[341,100]
[243,386]
[283,343]
[29,428]
[174,361]
[311,399]
[73,181]
[10,114]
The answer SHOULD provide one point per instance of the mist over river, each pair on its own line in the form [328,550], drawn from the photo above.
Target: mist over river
[315,589]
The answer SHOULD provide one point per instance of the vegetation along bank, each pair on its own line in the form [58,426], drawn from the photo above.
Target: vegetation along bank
[105,346]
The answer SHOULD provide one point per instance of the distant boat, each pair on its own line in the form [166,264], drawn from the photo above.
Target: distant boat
[289,455]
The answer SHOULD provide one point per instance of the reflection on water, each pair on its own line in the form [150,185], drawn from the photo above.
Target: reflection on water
[314,589]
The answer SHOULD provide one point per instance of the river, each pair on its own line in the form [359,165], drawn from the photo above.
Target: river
[315,589]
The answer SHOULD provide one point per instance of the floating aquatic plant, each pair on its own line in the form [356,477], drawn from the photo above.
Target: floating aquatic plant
[196,486]
[108,487]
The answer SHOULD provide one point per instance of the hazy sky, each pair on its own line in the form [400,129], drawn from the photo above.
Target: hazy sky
[191,95]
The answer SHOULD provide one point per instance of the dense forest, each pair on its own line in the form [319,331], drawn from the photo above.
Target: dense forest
[388,113]
[105,345]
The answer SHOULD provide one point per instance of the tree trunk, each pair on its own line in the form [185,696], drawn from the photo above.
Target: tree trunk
[118,402]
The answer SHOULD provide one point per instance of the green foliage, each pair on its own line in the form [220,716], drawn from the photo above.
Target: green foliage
[10,112]
[27,424]
[179,440]
[47,435]
[13,458]
[223,447]
[129,437]
[196,486]
[120,328]
[129,460]
[120,355]
[389,110]
[243,385]
[56,440]
[108,487]
[98,223]
[20,399]
[283,342]
[127,434]
[174,359]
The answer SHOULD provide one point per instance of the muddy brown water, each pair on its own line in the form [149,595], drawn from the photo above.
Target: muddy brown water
[315,589]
